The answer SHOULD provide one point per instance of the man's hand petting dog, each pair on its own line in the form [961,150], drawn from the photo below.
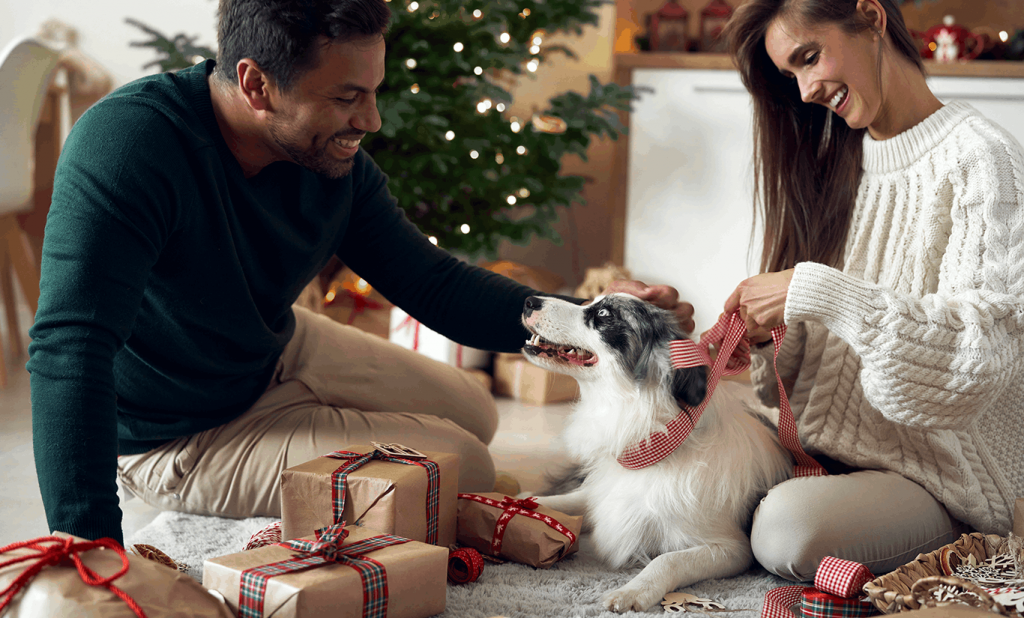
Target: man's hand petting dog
[662,296]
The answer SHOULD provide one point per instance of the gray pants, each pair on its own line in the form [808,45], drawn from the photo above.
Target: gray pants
[877,518]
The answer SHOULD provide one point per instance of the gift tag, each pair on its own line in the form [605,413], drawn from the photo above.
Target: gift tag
[397,450]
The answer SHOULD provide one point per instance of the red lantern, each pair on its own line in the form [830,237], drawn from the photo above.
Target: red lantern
[712,20]
[668,28]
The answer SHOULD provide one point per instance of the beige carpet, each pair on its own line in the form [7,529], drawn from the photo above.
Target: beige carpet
[570,589]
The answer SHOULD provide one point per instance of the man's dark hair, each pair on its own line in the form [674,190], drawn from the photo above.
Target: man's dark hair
[284,36]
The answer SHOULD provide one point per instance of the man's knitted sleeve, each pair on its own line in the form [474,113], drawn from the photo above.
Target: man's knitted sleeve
[106,225]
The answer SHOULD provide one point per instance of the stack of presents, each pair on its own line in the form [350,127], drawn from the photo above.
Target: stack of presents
[354,302]
[368,531]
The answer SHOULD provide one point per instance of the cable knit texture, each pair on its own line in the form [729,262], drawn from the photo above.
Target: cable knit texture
[910,357]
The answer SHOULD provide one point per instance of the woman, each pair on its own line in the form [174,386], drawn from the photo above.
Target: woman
[894,251]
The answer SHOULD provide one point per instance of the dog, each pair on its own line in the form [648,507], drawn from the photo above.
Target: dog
[686,517]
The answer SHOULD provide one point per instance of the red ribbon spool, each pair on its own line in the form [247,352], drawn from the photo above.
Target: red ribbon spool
[464,565]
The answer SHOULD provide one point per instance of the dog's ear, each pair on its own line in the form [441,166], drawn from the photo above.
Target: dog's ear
[690,385]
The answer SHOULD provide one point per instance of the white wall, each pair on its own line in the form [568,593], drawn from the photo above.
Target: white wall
[689,210]
[103,33]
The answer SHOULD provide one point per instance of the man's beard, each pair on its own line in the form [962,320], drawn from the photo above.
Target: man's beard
[314,159]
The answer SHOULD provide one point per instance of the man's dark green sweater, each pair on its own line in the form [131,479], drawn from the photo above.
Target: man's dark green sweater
[168,279]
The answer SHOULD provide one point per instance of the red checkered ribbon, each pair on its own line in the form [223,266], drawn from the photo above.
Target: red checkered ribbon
[326,550]
[729,336]
[836,593]
[52,551]
[511,508]
[339,483]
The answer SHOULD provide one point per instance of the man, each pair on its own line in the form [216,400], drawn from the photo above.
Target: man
[189,211]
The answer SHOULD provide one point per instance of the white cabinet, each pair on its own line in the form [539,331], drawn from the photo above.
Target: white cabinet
[689,204]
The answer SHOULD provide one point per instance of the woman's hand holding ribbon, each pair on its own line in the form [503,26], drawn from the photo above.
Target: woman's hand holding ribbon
[761,301]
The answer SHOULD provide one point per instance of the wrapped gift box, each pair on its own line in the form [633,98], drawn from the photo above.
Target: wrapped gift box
[415,579]
[362,307]
[58,590]
[516,377]
[382,495]
[516,530]
[410,334]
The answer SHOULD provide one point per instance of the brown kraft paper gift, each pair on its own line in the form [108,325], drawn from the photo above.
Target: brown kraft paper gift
[416,581]
[58,590]
[306,504]
[526,540]
[516,377]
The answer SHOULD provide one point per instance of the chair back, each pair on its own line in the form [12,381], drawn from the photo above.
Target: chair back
[26,65]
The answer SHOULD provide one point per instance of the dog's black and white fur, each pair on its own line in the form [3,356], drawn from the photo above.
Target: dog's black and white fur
[686,517]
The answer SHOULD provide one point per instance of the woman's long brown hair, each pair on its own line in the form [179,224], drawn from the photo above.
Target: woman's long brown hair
[807,165]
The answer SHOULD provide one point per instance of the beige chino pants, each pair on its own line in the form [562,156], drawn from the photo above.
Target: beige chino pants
[334,386]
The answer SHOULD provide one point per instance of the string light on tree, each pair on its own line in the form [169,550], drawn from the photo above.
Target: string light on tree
[516,127]
[505,37]
[473,154]
[511,200]
[413,6]
[532,66]
[458,47]
[535,50]
[433,240]
[411,63]
[537,40]
[521,150]
[450,135]
[524,193]
[478,13]
[479,70]
[415,88]
[499,158]
[465,228]
[500,107]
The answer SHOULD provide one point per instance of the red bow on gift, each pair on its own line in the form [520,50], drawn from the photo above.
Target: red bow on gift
[360,304]
[51,551]
[526,503]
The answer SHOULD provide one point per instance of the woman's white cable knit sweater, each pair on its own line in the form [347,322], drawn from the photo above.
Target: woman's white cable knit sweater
[911,358]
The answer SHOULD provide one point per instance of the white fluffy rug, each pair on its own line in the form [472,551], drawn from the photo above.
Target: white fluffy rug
[570,589]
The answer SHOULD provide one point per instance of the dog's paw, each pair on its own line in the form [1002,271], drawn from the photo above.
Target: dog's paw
[628,599]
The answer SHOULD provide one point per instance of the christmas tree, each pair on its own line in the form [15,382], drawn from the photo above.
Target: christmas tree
[464,169]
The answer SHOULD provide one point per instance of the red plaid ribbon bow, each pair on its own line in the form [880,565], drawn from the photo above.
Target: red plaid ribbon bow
[836,593]
[511,508]
[339,483]
[51,551]
[326,550]
[729,335]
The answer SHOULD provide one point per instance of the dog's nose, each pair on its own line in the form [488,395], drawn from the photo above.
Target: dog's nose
[533,303]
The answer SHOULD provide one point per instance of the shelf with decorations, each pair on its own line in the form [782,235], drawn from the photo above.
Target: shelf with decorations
[682,34]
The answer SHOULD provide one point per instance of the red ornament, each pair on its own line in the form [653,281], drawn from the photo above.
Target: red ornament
[950,42]
[712,21]
[669,27]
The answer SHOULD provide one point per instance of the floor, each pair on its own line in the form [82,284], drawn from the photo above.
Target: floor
[525,445]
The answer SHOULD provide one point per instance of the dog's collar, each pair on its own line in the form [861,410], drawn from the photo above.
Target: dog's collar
[729,337]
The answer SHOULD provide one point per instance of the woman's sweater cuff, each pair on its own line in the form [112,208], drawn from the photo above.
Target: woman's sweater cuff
[822,294]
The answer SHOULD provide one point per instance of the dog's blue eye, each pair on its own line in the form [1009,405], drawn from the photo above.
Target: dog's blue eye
[603,313]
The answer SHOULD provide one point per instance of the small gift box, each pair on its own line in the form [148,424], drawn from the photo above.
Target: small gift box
[345,572]
[412,496]
[407,332]
[837,593]
[350,300]
[516,377]
[517,530]
[63,575]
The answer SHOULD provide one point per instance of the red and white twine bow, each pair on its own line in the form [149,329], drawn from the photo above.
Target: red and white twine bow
[836,593]
[326,550]
[415,324]
[52,551]
[729,336]
[511,508]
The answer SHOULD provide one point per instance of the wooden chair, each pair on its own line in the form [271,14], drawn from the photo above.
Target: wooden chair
[26,68]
